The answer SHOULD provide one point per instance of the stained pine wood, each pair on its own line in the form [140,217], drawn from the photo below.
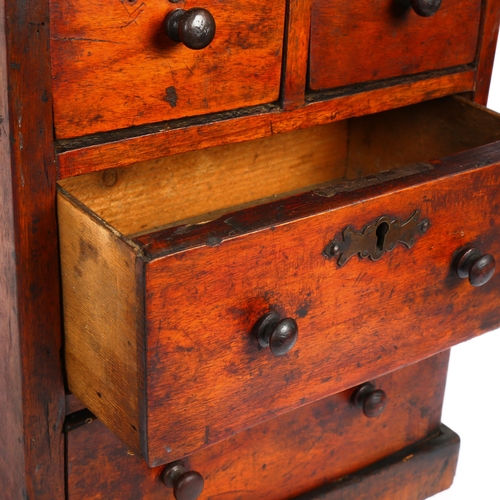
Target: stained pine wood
[204,185]
[77,158]
[357,319]
[216,179]
[297,53]
[31,380]
[114,67]
[487,46]
[204,286]
[415,473]
[278,459]
[354,42]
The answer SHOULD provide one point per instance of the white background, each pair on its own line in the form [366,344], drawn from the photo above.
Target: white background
[472,401]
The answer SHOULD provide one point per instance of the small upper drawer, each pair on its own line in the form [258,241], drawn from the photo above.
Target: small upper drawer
[363,41]
[114,66]
[161,315]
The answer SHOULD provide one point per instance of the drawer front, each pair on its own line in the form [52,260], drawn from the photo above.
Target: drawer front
[115,67]
[161,339]
[354,321]
[278,459]
[363,41]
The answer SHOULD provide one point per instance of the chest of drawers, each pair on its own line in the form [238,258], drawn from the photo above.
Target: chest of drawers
[239,242]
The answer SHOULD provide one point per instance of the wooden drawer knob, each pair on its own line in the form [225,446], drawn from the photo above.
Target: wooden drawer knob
[472,264]
[372,401]
[187,485]
[195,28]
[278,334]
[425,8]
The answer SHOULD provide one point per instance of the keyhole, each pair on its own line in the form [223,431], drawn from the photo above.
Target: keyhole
[382,230]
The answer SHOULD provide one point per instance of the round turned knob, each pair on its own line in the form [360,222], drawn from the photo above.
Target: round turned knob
[425,8]
[195,28]
[474,265]
[372,401]
[187,485]
[278,334]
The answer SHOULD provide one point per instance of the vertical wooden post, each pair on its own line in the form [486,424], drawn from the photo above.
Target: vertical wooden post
[486,49]
[296,52]
[31,385]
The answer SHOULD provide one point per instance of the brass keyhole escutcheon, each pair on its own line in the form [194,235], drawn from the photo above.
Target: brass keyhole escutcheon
[377,238]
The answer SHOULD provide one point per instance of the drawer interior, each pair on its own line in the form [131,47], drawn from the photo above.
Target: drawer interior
[195,187]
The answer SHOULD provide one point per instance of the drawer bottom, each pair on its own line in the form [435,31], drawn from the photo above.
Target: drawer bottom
[285,457]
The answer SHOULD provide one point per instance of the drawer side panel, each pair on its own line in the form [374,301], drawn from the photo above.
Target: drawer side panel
[101,319]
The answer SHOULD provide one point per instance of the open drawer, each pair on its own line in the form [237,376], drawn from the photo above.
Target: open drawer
[170,267]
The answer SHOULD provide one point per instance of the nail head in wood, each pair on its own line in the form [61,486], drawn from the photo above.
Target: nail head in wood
[109,177]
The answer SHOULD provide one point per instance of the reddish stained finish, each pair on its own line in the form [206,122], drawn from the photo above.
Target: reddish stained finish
[297,53]
[413,474]
[31,464]
[486,52]
[172,140]
[338,321]
[278,459]
[363,41]
[114,66]
[31,386]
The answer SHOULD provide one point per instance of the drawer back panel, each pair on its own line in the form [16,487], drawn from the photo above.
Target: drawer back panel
[206,184]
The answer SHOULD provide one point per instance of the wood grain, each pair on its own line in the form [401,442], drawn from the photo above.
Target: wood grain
[296,53]
[193,185]
[415,473]
[101,312]
[278,459]
[204,185]
[440,128]
[12,480]
[206,285]
[114,67]
[486,52]
[73,404]
[354,42]
[363,319]
[31,377]
[172,138]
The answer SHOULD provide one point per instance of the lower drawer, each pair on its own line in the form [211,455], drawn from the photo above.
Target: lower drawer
[280,458]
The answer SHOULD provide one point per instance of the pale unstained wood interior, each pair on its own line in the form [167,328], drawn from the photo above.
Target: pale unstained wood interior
[155,193]
[101,311]
[203,185]
[422,132]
